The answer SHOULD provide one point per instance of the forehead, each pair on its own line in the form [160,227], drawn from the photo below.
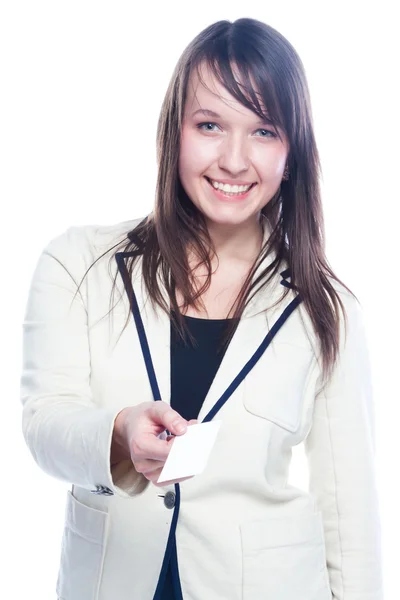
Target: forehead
[205,90]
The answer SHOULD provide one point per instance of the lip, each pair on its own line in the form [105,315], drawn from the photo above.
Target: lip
[232,182]
[224,197]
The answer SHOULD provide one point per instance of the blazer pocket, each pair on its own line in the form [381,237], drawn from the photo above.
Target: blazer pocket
[274,388]
[284,558]
[82,551]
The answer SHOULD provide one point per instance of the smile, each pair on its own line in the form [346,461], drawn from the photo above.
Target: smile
[230,192]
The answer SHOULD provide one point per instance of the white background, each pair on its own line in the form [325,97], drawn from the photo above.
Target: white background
[82,84]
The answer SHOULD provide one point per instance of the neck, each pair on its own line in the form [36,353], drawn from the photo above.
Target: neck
[237,243]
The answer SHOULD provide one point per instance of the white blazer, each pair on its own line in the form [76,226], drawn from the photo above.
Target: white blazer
[239,530]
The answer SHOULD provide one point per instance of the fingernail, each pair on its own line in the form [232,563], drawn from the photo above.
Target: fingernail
[179,425]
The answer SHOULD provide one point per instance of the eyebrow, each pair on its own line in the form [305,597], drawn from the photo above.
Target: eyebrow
[210,113]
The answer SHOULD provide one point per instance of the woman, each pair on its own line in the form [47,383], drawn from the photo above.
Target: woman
[226,307]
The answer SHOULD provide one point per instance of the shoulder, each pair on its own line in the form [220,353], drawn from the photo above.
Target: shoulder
[352,322]
[79,248]
[349,316]
[89,242]
[349,299]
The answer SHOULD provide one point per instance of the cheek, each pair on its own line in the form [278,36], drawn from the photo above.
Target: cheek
[183,164]
[195,155]
[190,165]
[281,163]
[272,167]
[186,162]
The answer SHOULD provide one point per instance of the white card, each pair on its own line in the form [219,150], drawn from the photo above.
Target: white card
[189,452]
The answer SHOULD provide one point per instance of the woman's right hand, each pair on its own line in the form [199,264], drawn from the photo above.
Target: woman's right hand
[136,431]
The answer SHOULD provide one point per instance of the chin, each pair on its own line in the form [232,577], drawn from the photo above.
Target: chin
[228,217]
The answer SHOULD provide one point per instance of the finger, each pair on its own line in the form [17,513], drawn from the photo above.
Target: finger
[149,466]
[191,422]
[163,414]
[153,476]
[148,446]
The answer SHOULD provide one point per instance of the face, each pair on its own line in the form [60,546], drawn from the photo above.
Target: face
[223,142]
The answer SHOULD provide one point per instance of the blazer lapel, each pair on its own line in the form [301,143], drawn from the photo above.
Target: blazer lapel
[156,326]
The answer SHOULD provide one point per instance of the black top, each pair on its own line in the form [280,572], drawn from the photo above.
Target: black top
[193,369]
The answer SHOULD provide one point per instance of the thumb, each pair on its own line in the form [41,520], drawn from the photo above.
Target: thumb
[191,422]
[162,414]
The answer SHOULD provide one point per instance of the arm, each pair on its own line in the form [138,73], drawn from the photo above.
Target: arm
[340,449]
[69,435]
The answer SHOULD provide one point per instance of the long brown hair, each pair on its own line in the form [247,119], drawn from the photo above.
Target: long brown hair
[262,55]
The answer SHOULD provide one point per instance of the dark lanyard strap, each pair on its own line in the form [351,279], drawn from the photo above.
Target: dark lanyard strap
[146,350]
[139,323]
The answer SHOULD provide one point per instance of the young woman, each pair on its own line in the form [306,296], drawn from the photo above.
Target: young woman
[219,304]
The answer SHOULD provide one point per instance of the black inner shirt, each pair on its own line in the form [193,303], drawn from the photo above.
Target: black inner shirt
[193,367]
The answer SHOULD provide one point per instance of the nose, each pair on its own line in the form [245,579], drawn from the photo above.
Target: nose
[234,155]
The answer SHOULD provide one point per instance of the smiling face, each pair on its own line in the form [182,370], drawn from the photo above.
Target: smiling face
[223,141]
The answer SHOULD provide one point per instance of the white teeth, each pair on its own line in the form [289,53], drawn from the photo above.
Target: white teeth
[233,189]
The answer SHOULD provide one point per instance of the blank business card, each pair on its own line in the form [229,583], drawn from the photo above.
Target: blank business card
[189,452]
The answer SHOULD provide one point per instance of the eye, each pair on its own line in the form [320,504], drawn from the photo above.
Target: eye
[201,125]
[267,131]
[205,127]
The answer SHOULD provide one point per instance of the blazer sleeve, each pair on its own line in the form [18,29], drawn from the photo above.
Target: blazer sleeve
[340,449]
[68,434]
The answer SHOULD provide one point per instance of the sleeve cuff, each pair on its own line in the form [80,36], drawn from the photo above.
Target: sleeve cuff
[122,478]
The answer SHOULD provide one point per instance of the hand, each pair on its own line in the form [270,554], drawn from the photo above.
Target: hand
[136,431]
